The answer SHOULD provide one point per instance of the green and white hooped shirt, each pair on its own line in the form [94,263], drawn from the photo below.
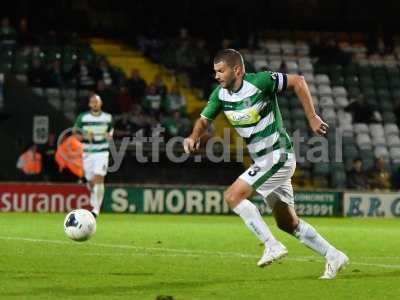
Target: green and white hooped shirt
[254,112]
[99,126]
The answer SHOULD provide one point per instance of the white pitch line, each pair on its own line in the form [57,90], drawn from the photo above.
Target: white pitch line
[189,253]
[200,252]
[140,254]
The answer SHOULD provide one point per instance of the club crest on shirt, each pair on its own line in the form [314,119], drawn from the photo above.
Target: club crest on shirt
[247,102]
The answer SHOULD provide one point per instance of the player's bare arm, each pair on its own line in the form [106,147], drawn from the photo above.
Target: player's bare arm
[81,134]
[78,134]
[89,135]
[192,142]
[109,135]
[300,87]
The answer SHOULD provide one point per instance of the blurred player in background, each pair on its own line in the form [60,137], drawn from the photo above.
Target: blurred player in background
[250,103]
[95,129]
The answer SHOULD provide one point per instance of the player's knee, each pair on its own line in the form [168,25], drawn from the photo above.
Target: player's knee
[230,198]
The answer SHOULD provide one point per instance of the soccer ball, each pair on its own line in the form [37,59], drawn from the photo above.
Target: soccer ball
[80,225]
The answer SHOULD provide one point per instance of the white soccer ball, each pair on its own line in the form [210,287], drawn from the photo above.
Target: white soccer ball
[80,225]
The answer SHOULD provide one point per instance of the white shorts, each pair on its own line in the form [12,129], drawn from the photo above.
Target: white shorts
[95,164]
[273,180]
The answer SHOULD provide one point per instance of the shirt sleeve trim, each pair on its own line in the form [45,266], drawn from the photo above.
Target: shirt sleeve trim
[206,117]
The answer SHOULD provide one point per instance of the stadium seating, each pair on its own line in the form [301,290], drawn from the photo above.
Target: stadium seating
[376,76]
[17,60]
[333,87]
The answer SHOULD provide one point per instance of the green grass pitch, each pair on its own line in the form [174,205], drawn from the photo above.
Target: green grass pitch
[190,257]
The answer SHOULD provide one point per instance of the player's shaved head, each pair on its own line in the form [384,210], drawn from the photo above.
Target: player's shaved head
[231,57]
[95,97]
[95,103]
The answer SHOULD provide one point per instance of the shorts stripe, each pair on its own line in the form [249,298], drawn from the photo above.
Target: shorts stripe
[270,172]
[282,143]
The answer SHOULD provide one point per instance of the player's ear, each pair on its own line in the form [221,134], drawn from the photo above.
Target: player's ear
[237,69]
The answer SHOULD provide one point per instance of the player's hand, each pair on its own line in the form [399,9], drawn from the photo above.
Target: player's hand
[108,136]
[318,126]
[90,135]
[78,136]
[190,144]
